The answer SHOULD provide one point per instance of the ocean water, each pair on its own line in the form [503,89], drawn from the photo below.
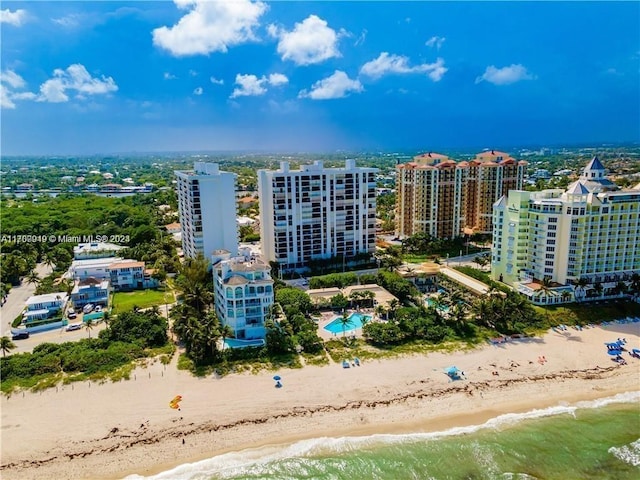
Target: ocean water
[597,440]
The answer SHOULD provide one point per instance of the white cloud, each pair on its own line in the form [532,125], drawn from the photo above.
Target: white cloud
[338,85]
[505,75]
[198,91]
[169,76]
[277,79]
[193,73]
[12,78]
[360,40]
[435,41]
[311,41]
[216,81]
[210,26]
[251,85]
[16,18]
[5,98]
[10,81]
[69,21]
[75,78]
[398,64]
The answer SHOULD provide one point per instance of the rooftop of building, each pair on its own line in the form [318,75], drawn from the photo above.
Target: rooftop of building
[92,247]
[47,297]
[91,262]
[126,264]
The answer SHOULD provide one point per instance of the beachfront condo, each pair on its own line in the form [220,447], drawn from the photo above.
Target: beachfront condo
[207,207]
[558,246]
[316,213]
[243,293]
[447,199]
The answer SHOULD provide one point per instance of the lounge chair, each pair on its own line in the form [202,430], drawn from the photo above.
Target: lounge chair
[357,361]
[345,364]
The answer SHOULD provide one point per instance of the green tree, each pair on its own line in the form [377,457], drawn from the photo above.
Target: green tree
[88,325]
[32,278]
[6,345]
[344,322]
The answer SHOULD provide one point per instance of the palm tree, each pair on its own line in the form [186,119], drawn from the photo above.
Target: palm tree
[32,278]
[380,311]
[458,315]
[634,286]
[566,295]
[344,321]
[481,310]
[225,332]
[88,325]
[597,287]
[49,260]
[6,345]
[394,304]
[580,284]
[546,288]
[621,288]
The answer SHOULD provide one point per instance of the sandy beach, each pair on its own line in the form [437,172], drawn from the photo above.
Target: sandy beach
[99,431]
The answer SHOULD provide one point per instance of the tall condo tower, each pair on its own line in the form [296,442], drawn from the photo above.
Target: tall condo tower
[316,213]
[207,206]
[447,199]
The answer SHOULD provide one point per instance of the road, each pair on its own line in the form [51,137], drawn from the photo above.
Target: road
[16,300]
[55,336]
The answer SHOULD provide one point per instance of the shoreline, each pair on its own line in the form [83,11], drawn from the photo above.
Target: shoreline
[417,426]
[114,430]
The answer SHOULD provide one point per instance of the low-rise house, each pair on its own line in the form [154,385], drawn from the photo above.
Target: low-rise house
[94,267]
[90,290]
[40,307]
[131,275]
[86,251]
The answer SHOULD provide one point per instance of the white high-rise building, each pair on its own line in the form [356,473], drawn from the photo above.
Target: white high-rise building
[207,206]
[316,213]
[243,296]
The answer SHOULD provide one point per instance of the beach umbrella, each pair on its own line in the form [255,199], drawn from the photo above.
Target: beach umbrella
[614,353]
[277,378]
[452,370]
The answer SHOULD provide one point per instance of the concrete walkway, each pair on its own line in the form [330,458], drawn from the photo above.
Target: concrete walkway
[472,284]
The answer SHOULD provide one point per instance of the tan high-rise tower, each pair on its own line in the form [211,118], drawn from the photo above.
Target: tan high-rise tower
[446,199]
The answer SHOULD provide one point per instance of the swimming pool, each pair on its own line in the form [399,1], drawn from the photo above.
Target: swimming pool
[234,343]
[355,322]
[431,303]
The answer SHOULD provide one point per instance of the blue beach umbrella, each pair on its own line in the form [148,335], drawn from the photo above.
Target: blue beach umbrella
[614,353]
[277,378]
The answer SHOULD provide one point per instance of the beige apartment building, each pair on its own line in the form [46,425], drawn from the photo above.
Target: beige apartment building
[446,199]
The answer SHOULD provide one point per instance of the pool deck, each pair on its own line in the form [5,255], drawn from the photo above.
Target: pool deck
[328,317]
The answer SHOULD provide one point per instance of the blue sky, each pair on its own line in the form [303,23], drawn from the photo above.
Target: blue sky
[186,75]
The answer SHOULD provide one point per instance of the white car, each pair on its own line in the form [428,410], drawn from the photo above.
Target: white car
[88,308]
[73,326]
[97,309]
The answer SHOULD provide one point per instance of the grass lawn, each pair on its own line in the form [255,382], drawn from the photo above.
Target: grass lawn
[124,301]
[584,313]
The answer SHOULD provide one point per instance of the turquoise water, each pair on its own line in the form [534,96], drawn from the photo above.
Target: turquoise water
[597,440]
[233,343]
[431,303]
[355,322]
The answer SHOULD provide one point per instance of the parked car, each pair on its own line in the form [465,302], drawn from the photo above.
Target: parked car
[73,326]
[72,315]
[20,336]
[97,309]
[88,308]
